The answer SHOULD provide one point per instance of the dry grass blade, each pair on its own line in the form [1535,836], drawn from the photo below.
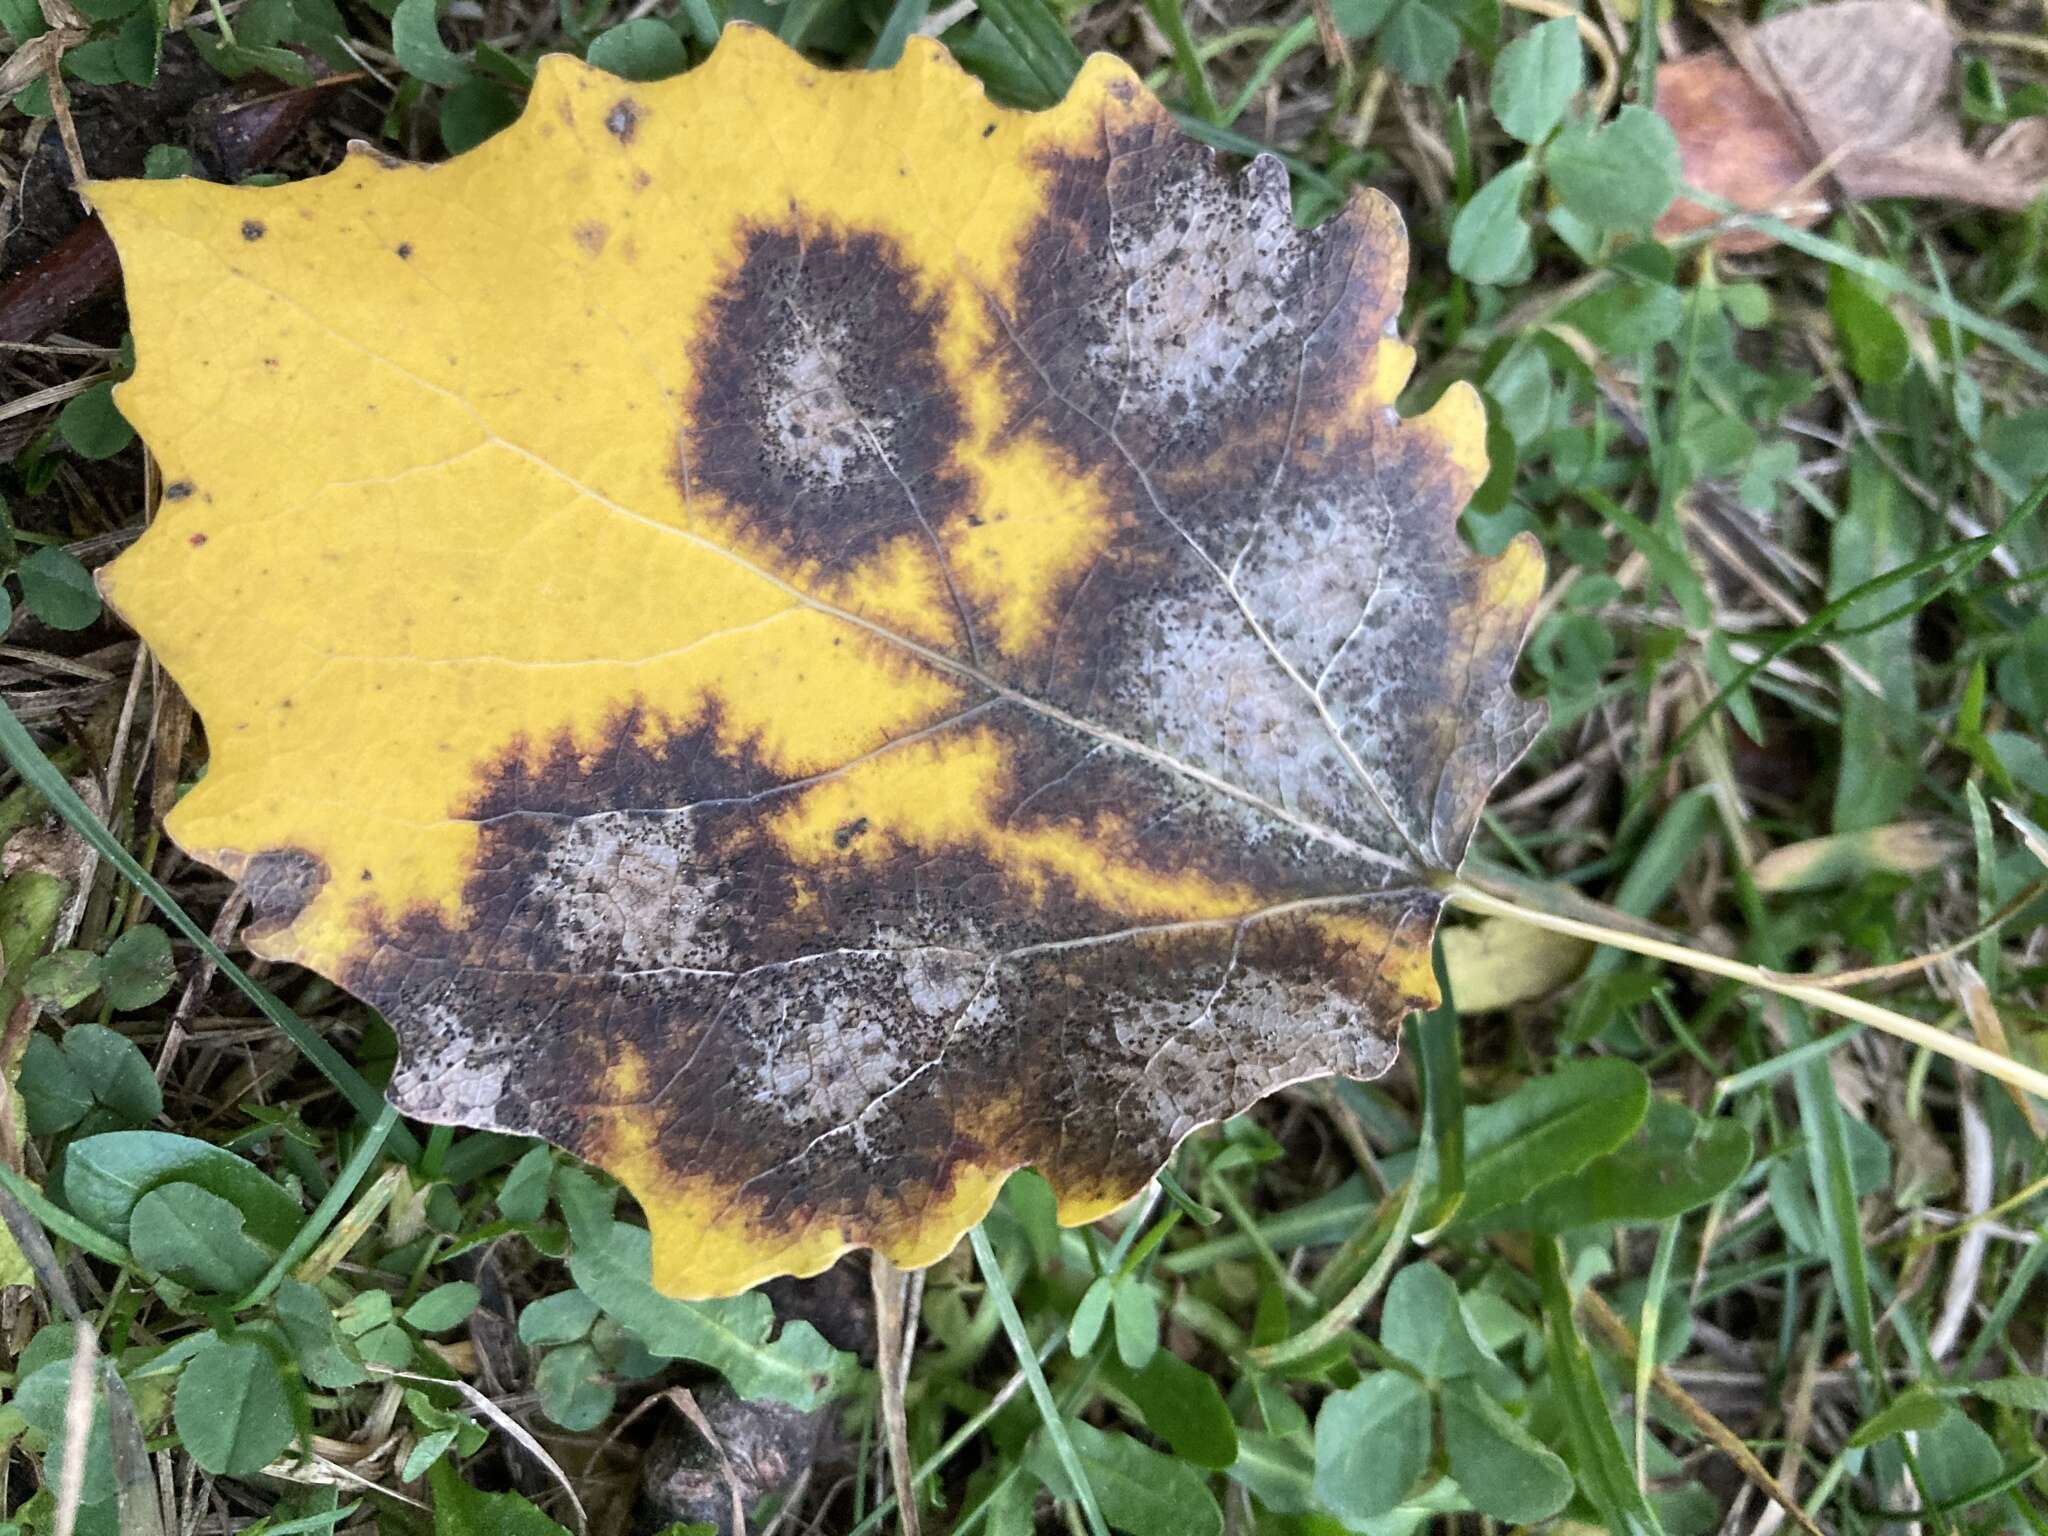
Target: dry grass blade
[80,1402]
[1470,897]
[893,1331]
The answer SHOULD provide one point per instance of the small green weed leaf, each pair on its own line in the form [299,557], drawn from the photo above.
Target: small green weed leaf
[1957,1458]
[165,162]
[64,979]
[1535,79]
[429,1449]
[731,1336]
[1359,19]
[42,1397]
[1675,1162]
[309,1327]
[1418,42]
[231,1410]
[1628,315]
[1372,1443]
[444,1306]
[1620,176]
[572,1388]
[1869,332]
[1423,1323]
[1136,1312]
[2029,1393]
[473,111]
[1181,1405]
[1090,1314]
[1913,1409]
[195,1238]
[416,41]
[54,1095]
[1522,387]
[1490,238]
[559,1319]
[58,590]
[104,1177]
[1496,1463]
[1029,1201]
[645,49]
[115,1071]
[2022,757]
[1277,1469]
[139,967]
[91,425]
[1139,1490]
[524,1194]
[94,1080]
[460,1510]
[389,1346]
[1548,1128]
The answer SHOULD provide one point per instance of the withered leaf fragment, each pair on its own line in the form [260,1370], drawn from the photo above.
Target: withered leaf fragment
[1845,100]
[814,640]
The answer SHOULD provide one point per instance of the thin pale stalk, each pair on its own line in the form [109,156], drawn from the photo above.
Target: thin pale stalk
[1899,1025]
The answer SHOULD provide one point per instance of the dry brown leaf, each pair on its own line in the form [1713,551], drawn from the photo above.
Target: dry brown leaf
[1835,103]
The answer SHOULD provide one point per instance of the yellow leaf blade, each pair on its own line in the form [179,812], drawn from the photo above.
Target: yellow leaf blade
[815,640]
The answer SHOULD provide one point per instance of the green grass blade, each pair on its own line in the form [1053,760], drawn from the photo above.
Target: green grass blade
[1034,1378]
[1172,17]
[1646,1333]
[1598,1458]
[1880,274]
[1041,41]
[904,18]
[1970,553]
[1434,1037]
[62,1223]
[1236,143]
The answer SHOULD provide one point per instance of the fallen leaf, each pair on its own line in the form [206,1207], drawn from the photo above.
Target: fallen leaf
[1849,99]
[1497,962]
[815,640]
[1901,848]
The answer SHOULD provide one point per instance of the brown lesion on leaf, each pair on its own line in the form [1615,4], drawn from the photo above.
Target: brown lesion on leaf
[280,884]
[253,229]
[591,235]
[821,415]
[178,490]
[838,1043]
[622,122]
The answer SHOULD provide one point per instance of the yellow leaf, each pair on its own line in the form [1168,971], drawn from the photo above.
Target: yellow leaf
[1498,962]
[815,640]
